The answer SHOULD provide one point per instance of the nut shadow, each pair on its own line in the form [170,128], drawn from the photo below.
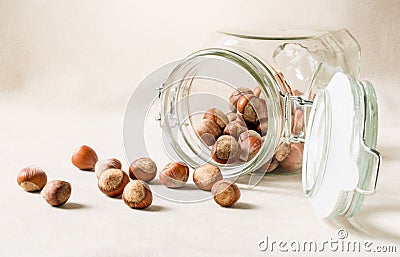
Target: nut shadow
[244,206]
[155,208]
[73,206]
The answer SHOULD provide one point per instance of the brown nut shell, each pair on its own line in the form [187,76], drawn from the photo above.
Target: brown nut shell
[32,179]
[235,128]
[225,150]
[298,122]
[206,176]
[262,126]
[217,116]
[282,151]
[257,91]
[106,164]
[56,192]
[234,116]
[137,195]
[84,158]
[225,193]
[294,159]
[250,142]
[143,169]
[252,108]
[208,131]
[112,182]
[174,175]
[234,97]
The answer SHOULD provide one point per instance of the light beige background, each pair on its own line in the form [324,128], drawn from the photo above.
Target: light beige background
[67,69]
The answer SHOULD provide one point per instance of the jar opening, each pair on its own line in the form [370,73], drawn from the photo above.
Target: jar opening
[205,80]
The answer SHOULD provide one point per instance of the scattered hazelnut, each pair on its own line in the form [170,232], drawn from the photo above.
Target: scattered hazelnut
[56,192]
[225,150]
[137,195]
[84,158]
[208,131]
[32,179]
[252,108]
[294,159]
[206,176]
[225,193]
[235,128]
[143,169]
[217,116]
[257,91]
[282,151]
[106,164]
[112,182]
[250,142]
[298,122]
[236,95]
[174,175]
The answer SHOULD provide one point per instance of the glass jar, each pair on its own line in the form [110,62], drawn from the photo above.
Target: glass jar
[302,75]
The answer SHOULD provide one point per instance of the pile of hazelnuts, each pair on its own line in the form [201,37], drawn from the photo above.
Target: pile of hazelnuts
[237,136]
[134,188]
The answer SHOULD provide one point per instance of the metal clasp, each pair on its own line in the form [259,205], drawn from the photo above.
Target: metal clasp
[159,93]
[288,100]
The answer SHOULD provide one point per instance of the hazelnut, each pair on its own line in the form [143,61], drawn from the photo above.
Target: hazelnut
[112,182]
[282,151]
[225,150]
[298,122]
[84,158]
[294,159]
[206,176]
[174,175]
[236,95]
[32,179]
[225,193]
[257,91]
[208,131]
[262,126]
[250,142]
[106,164]
[143,169]
[233,116]
[235,128]
[56,192]
[252,108]
[137,195]
[273,165]
[217,116]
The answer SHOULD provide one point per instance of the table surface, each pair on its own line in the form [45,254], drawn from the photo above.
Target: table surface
[91,224]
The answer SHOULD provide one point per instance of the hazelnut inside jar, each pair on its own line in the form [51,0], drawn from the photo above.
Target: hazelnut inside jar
[214,116]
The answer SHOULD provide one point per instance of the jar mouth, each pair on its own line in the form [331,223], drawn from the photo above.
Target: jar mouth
[205,80]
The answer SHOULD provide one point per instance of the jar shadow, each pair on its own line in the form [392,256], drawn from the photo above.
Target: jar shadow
[363,223]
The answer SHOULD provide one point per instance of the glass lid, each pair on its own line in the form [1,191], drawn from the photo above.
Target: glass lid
[340,164]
